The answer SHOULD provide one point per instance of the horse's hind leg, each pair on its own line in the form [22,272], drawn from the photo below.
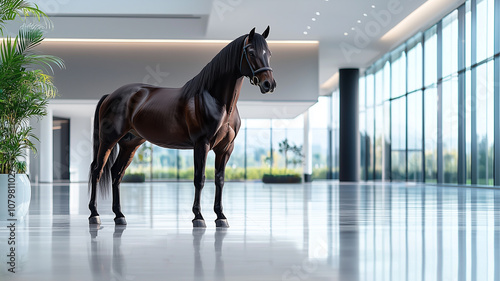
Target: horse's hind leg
[128,146]
[104,151]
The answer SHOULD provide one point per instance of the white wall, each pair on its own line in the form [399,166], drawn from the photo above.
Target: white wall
[80,155]
[97,68]
[45,150]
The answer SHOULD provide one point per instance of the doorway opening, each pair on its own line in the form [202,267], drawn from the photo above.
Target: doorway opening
[60,130]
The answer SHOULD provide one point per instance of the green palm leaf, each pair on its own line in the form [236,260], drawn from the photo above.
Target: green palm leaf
[10,9]
[30,35]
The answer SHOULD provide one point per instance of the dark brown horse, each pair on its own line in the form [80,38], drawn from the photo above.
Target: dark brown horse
[202,115]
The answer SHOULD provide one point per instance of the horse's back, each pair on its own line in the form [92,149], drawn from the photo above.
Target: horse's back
[167,118]
[158,115]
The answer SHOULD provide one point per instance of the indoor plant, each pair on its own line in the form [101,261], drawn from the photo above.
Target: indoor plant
[24,93]
[293,155]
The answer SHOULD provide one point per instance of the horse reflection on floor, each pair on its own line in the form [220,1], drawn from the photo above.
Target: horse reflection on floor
[113,267]
[106,267]
[199,272]
[202,115]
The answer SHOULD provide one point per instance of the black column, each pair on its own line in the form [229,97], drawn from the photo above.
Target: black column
[349,128]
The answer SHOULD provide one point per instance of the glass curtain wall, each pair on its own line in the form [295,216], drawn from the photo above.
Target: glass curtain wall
[441,121]
[319,119]
[449,96]
[430,102]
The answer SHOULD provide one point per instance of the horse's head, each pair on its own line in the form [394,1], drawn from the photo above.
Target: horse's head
[254,61]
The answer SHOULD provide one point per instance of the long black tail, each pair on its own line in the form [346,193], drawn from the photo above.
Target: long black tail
[104,184]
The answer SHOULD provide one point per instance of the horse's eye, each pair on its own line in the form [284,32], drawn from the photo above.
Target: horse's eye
[251,54]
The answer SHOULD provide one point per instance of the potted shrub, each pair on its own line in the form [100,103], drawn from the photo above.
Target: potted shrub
[134,177]
[24,93]
[293,155]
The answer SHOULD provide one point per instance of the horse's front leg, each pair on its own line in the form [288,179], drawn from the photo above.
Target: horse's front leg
[200,158]
[220,169]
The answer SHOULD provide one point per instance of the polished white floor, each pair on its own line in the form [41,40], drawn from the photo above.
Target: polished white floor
[317,231]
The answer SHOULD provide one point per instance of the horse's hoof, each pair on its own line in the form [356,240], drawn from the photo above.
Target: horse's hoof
[95,220]
[120,221]
[199,223]
[221,223]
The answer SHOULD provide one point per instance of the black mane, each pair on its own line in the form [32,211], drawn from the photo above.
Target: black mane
[225,61]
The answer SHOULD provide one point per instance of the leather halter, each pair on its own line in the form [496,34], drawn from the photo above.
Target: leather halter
[254,80]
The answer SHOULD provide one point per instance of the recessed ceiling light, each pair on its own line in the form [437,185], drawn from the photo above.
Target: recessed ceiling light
[365,15]
[359,21]
[305,32]
[317,13]
[308,27]
[345,33]
[313,19]
[352,28]
[373,6]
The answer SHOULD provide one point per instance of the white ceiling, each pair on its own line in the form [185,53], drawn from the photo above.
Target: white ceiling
[227,19]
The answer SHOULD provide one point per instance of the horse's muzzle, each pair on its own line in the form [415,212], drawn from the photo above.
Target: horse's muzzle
[267,86]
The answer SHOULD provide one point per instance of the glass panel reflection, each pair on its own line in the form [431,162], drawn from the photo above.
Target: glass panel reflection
[430,119]
[484,124]
[450,129]
[430,58]
[415,136]
[450,43]
[398,141]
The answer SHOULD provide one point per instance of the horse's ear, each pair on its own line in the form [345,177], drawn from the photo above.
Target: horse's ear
[266,32]
[250,35]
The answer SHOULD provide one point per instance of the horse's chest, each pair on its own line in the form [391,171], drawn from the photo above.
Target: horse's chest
[215,124]
[205,116]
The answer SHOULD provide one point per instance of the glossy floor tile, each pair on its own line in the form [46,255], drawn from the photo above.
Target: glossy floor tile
[317,231]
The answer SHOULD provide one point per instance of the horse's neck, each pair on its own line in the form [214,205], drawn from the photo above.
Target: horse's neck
[235,96]
[228,92]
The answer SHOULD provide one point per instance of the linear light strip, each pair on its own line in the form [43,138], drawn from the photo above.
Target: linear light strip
[170,41]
